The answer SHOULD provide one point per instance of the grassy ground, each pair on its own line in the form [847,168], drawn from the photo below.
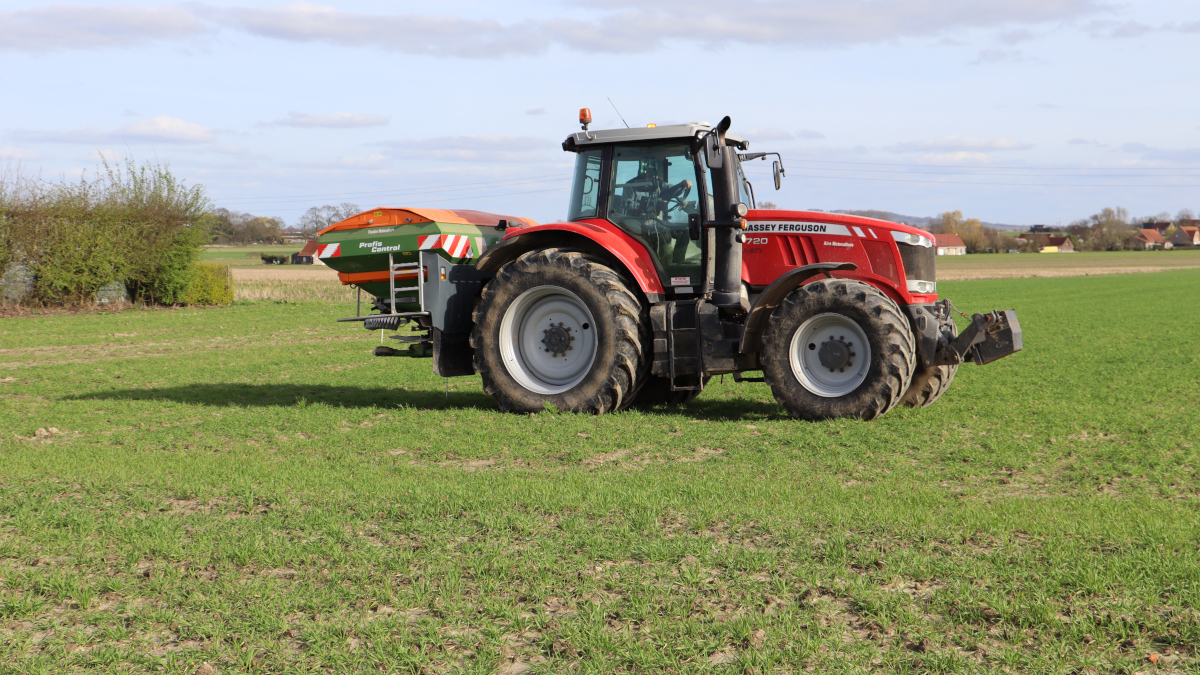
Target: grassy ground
[246,487]
[1005,265]
[246,256]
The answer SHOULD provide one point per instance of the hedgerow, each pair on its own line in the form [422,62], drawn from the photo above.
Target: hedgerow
[138,224]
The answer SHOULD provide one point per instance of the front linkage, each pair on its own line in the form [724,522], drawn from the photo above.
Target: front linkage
[988,337]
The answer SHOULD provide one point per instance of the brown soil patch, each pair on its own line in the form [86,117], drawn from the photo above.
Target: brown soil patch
[283,273]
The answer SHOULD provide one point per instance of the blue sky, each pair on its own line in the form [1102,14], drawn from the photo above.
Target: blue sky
[1013,111]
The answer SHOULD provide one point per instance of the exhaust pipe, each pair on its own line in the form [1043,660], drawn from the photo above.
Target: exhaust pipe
[727,222]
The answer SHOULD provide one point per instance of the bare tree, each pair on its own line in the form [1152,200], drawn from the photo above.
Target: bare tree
[767,205]
[320,217]
[1185,214]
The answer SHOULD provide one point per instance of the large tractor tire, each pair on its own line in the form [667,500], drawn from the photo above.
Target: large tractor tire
[928,384]
[561,328]
[838,348]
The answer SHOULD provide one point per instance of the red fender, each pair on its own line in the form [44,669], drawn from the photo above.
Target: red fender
[631,253]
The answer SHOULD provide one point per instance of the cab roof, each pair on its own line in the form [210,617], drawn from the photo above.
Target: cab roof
[581,139]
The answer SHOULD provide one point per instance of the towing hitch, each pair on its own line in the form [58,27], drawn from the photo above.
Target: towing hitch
[990,336]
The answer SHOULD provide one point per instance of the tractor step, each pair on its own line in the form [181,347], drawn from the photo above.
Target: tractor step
[677,345]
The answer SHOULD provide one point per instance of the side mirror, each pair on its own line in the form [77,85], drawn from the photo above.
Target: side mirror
[713,154]
[777,169]
[694,226]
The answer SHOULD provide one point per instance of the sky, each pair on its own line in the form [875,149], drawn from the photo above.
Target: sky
[1012,111]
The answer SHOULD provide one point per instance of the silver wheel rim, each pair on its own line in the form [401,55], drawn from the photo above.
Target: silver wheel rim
[548,340]
[804,355]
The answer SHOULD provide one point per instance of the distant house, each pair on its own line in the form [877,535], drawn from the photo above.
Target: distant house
[1059,244]
[1050,244]
[1160,227]
[1150,239]
[1185,237]
[950,244]
[307,255]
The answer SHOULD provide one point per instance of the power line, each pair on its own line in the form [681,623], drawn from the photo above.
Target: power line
[422,202]
[992,166]
[1015,175]
[989,183]
[384,193]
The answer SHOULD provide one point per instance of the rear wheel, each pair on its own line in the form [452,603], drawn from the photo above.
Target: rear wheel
[838,348]
[561,328]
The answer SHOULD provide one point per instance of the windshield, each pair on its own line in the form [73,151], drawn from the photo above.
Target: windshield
[585,192]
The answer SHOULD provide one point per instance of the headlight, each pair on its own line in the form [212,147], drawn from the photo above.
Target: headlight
[919,286]
[912,239]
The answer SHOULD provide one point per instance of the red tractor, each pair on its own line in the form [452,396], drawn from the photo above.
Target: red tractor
[664,274]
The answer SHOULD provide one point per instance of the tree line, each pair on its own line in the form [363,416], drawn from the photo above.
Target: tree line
[239,229]
[1110,229]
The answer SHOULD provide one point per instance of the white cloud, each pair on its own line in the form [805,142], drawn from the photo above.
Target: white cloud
[342,120]
[165,129]
[160,129]
[766,135]
[476,149]
[63,26]
[965,158]
[626,26]
[956,144]
[1147,152]
[536,111]
[998,56]
[18,154]
[1122,29]
[438,35]
[811,135]
[642,25]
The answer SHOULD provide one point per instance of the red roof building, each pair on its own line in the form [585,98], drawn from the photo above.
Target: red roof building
[1150,238]
[950,244]
[1186,236]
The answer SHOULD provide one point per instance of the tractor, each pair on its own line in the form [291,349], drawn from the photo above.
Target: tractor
[663,275]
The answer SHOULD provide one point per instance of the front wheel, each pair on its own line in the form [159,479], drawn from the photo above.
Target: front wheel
[838,348]
[928,384]
[560,328]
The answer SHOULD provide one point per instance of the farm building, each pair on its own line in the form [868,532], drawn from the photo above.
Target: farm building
[950,244]
[1160,227]
[1186,237]
[1150,239]
[307,255]
[1050,244]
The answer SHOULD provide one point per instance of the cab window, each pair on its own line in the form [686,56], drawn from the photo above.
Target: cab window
[653,191]
[585,191]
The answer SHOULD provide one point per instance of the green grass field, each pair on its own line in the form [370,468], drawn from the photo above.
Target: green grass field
[247,487]
[1093,262]
[245,256]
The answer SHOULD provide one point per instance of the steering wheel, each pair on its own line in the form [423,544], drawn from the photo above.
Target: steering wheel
[674,195]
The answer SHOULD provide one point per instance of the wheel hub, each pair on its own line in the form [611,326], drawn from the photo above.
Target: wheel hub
[548,339]
[558,339]
[836,354]
[830,355]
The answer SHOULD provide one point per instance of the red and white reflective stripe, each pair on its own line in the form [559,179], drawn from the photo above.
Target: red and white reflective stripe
[428,241]
[329,251]
[457,245]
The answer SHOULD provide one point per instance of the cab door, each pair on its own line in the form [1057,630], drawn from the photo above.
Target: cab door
[653,189]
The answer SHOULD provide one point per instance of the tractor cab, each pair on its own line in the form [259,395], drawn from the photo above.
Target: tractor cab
[657,186]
